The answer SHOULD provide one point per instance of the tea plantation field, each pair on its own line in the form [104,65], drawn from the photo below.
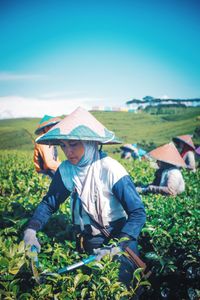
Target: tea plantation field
[169,242]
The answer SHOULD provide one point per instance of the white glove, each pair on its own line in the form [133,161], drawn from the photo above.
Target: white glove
[109,250]
[31,239]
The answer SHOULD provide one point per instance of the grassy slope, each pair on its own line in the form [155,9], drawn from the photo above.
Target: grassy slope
[130,127]
[16,133]
[157,129]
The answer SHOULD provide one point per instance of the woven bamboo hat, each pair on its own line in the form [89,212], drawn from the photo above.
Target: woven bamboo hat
[46,121]
[79,125]
[169,154]
[128,147]
[187,139]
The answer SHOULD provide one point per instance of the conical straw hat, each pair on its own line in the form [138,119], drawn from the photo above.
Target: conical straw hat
[169,154]
[128,147]
[79,125]
[187,139]
[45,122]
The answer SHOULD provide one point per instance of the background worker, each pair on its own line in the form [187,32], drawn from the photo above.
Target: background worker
[168,178]
[104,201]
[45,158]
[127,151]
[132,151]
[186,148]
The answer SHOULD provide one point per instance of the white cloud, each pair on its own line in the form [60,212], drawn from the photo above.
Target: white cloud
[164,97]
[17,107]
[9,76]
[63,94]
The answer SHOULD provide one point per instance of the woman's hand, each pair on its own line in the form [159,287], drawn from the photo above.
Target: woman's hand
[109,250]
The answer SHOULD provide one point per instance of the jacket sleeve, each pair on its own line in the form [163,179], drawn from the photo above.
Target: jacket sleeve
[56,195]
[174,185]
[124,190]
[155,189]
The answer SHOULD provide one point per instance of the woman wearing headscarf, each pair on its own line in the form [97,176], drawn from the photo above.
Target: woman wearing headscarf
[104,201]
[168,178]
[45,157]
[187,150]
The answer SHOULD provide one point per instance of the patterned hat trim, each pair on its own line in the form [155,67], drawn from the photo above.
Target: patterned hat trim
[79,133]
[46,121]
[46,118]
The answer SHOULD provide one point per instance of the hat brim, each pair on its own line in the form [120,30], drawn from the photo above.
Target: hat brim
[40,129]
[55,137]
[57,141]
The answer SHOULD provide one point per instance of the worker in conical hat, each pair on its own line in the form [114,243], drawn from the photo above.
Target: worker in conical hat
[186,148]
[104,201]
[132,151]
[168,178]
[127,150]
[46,159]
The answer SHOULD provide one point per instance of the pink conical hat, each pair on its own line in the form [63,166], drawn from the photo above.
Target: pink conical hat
[79,125]
[187,139]
[169,154]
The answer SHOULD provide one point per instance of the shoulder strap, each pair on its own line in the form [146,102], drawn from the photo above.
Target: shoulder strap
[102,229]
[135,259]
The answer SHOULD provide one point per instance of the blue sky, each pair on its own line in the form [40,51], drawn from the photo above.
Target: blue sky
[57,55]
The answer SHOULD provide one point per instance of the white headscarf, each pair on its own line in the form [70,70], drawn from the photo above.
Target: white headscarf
[85,176]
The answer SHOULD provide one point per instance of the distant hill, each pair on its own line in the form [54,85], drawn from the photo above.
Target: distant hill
[151,102]
[147,129]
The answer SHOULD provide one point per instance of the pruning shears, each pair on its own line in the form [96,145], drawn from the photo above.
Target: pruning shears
[35,265]
[81,263]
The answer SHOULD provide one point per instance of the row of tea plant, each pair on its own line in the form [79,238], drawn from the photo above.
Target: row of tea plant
[168,242]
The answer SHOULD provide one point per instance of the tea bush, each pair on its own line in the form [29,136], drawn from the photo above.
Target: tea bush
[168,242]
